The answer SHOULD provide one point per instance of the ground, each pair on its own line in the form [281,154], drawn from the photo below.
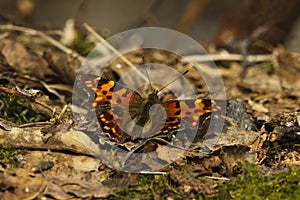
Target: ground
[42,157]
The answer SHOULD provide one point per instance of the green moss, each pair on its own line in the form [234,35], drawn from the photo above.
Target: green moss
[251,184]
[8,156]
[114,174]
[82,46]
[154,187]
[148,187]
[141,191]
[267,67]
[16,109]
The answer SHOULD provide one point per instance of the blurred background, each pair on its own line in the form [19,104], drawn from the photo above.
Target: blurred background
[224,23]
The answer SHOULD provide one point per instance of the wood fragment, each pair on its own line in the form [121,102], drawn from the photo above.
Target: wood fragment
[34,138]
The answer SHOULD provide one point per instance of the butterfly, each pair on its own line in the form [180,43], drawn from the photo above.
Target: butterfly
[125,114]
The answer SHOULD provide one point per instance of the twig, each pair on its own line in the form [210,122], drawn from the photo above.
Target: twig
[153,173]
[45,37]
[61,87]
[17,92]
[229,57]
[53,91]
[218,178]
[109,46]
[30,124]
[63,111]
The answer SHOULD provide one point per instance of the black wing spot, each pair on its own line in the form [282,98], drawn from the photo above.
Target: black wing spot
[177,105]
[177,112]
[111,89]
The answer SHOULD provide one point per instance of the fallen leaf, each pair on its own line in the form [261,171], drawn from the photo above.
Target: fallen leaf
[21,59]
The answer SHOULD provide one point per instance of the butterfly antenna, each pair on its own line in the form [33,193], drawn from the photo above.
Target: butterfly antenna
[175,79]
[148,76]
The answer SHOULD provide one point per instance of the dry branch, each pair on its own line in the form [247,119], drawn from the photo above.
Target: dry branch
[34,138]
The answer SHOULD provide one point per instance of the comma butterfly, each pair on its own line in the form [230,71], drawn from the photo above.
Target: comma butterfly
[112,99]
